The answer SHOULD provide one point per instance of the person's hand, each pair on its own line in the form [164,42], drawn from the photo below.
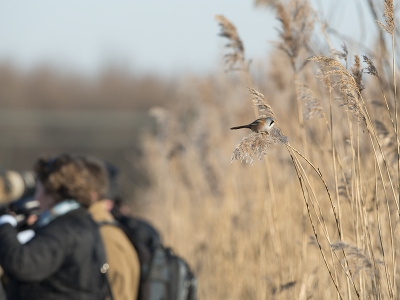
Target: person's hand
[30,220]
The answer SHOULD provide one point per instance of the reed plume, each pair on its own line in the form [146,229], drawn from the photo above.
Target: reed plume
[340,54]
[261,104]
[257,143]
[212,205]
[389,25]
[357,73]
[229,31]
[359,259]
[297,24]
[347,83]
[311,106]
[371,69]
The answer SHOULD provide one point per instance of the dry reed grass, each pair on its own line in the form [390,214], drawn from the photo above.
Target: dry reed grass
[319,223]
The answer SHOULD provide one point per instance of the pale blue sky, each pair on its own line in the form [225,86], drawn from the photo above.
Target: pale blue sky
[155,36]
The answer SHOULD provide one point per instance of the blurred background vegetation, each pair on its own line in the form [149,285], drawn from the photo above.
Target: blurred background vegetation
[46,111]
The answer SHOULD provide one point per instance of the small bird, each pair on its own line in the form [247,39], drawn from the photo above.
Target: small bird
[263,124]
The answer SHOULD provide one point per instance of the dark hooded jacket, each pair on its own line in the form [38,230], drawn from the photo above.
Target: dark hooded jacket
[62,261]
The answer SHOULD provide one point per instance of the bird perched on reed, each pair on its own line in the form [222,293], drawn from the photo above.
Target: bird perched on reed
[263,124]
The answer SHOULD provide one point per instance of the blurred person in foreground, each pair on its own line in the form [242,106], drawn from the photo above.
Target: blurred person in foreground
[124,272]
[66,258]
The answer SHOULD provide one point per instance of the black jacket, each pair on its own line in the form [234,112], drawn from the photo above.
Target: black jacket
[60,262]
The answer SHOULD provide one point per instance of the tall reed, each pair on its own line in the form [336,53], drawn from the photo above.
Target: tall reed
[320,223]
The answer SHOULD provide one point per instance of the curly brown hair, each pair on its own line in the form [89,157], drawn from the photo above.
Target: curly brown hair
[66,176]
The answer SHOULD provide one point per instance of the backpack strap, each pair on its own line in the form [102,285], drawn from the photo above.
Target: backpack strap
[101,256]
[113,223]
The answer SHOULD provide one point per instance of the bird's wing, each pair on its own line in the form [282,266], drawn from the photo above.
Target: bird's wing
[255,123]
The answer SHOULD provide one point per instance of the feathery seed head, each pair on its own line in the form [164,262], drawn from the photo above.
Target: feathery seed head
[371,69]
[228,30]
[297,23]
[340,54]
[256,145]
[389,25]
[349,85]
[260,102]
[312,107]
[357,73]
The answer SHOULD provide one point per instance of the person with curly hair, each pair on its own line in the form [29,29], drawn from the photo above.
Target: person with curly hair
[66,258]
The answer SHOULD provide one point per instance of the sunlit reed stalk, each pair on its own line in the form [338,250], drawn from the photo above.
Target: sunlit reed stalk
[325,78]
[242,218]
[371,70]
[390,27]
[302,174]
[348,274]
[312,224]
[348,84]
[354,106]
[237,57]
[321,220]
[351,94]
[297,24]
[328,83]
[378,221]
[257,144]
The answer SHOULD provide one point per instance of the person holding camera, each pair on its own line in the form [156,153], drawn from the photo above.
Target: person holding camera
[66,258]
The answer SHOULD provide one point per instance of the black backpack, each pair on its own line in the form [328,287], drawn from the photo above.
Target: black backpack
[163,275]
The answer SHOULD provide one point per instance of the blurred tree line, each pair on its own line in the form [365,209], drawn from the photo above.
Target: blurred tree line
[46,111]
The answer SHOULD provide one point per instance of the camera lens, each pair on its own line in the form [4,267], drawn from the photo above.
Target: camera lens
[16,185]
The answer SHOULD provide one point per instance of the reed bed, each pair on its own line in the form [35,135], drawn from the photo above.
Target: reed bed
[309,210]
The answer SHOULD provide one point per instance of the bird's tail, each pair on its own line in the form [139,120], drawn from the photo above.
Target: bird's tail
[240,127]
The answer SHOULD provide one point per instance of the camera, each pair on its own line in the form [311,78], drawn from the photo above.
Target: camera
[16,185]
[21,209]
[16,192]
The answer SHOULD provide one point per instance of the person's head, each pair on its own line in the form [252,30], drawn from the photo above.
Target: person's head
[108,186]
[99,176]
[63,177]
